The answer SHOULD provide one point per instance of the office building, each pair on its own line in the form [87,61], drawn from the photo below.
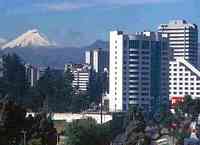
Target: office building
[139,67]
[32,74]
[183,40]
[184,80]
[1,67]
[81,76]
[98,59]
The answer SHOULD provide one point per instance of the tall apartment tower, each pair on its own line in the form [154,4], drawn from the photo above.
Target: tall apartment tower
[183,40]
[98,59]
[139,67]
[183,73]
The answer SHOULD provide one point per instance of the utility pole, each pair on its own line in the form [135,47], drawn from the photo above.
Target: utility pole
[24,137]
[101,109]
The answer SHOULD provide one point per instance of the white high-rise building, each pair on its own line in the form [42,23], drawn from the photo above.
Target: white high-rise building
[32,74]
[98,59]
[139,66]
[183,39]
[1,67]
[183,42]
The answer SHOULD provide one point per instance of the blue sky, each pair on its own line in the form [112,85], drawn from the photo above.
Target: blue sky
[80,22]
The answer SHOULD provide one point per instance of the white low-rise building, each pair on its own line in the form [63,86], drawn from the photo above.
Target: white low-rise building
[184,79]
[69,117]
[81,76]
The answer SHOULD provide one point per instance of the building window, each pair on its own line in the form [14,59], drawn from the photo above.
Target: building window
[145,78]
[131,83]
[145,94]
[133,57]
[133,94]
[134,43]
[145,44]
[133,78]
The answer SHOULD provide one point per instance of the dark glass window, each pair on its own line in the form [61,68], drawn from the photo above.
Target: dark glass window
[134,43]
[133,57]
[145,44]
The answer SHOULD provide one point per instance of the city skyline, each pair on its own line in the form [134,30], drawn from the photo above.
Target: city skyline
[60,20]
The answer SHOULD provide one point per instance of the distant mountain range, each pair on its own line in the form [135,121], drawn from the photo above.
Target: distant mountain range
[35,48]
[32,38]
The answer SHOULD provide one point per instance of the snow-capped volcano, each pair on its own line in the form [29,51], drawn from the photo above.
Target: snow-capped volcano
[31,38]
[2,41]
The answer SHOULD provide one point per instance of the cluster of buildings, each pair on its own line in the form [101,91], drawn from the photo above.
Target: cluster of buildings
[96,62]
[150,68]
[145,69]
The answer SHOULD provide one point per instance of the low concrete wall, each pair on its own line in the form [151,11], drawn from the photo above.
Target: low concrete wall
[69,117]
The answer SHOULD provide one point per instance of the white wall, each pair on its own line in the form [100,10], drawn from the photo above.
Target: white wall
[69,117]
[116,72]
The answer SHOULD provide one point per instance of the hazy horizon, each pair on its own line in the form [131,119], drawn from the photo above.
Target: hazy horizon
[78,22]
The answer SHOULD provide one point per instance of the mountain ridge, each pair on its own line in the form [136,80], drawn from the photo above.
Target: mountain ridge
[55,56]
[31,38]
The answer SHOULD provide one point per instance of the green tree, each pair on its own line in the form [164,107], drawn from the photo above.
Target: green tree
[35,141]
[79,102]
[56,90]
[14,77]
[87,132]
[11,123]
[95,90]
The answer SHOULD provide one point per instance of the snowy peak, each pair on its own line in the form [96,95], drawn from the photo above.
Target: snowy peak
[2,41]
[31,38]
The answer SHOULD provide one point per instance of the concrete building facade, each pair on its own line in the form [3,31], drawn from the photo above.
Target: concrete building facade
[81,76]
[184,73]
[183,40]
[98,59]
[184,80]
[139,66]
